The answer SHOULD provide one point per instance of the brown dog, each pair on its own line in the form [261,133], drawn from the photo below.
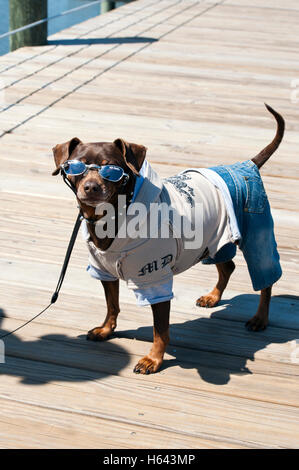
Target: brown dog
[91,189]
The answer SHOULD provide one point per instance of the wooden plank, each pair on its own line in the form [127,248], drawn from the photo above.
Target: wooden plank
[141,406]
[48,428]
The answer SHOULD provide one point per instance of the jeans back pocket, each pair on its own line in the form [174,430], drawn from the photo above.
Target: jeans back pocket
[256,195]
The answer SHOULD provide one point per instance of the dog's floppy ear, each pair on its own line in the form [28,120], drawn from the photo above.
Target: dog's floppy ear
[62,152]
[133,154]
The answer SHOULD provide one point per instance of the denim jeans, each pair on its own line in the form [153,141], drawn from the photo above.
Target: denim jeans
[255,222]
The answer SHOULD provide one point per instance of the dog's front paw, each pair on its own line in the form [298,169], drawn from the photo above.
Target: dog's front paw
[210,300]
[147,365]
[99,333]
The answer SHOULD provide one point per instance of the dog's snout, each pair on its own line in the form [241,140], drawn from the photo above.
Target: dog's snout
[91,187]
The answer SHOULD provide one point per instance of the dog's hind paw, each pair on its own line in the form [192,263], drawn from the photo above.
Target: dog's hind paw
[99,334]
[209,300]
[146,365]
[257,323]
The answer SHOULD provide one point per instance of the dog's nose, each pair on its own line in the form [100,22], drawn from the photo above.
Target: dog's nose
[91,187]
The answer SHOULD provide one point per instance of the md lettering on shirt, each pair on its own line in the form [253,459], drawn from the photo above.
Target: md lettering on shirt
[155,265]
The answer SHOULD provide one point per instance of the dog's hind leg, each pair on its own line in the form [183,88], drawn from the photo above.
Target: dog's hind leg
[224,272]
[260,320]
[100,333]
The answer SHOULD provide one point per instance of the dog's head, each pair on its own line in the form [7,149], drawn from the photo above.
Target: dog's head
[91,189]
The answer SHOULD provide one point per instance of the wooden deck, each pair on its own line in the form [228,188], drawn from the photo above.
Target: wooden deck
[187,79]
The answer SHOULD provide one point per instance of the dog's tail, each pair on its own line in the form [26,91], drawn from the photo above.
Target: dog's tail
[266,153]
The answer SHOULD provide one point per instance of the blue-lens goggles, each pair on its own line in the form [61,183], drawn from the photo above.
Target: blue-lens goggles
[111,173]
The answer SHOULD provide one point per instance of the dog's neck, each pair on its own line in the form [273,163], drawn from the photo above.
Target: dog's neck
[89,214]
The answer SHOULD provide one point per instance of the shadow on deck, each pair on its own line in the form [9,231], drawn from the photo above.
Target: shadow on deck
[218,346]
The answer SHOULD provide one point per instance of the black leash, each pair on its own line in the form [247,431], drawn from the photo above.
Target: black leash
[61,277]
[69,250]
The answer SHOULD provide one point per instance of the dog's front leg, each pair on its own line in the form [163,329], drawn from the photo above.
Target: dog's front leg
[99,333]
[152,362]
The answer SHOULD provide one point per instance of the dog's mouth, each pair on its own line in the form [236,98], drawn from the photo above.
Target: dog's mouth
[92,201]
[87,202]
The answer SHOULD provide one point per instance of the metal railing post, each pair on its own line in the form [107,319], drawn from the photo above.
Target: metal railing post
[107,5]
[23,12]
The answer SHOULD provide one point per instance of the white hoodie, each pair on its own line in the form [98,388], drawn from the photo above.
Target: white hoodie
[148,264]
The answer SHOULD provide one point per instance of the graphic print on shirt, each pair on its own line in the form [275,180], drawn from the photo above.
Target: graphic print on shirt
[179,182]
